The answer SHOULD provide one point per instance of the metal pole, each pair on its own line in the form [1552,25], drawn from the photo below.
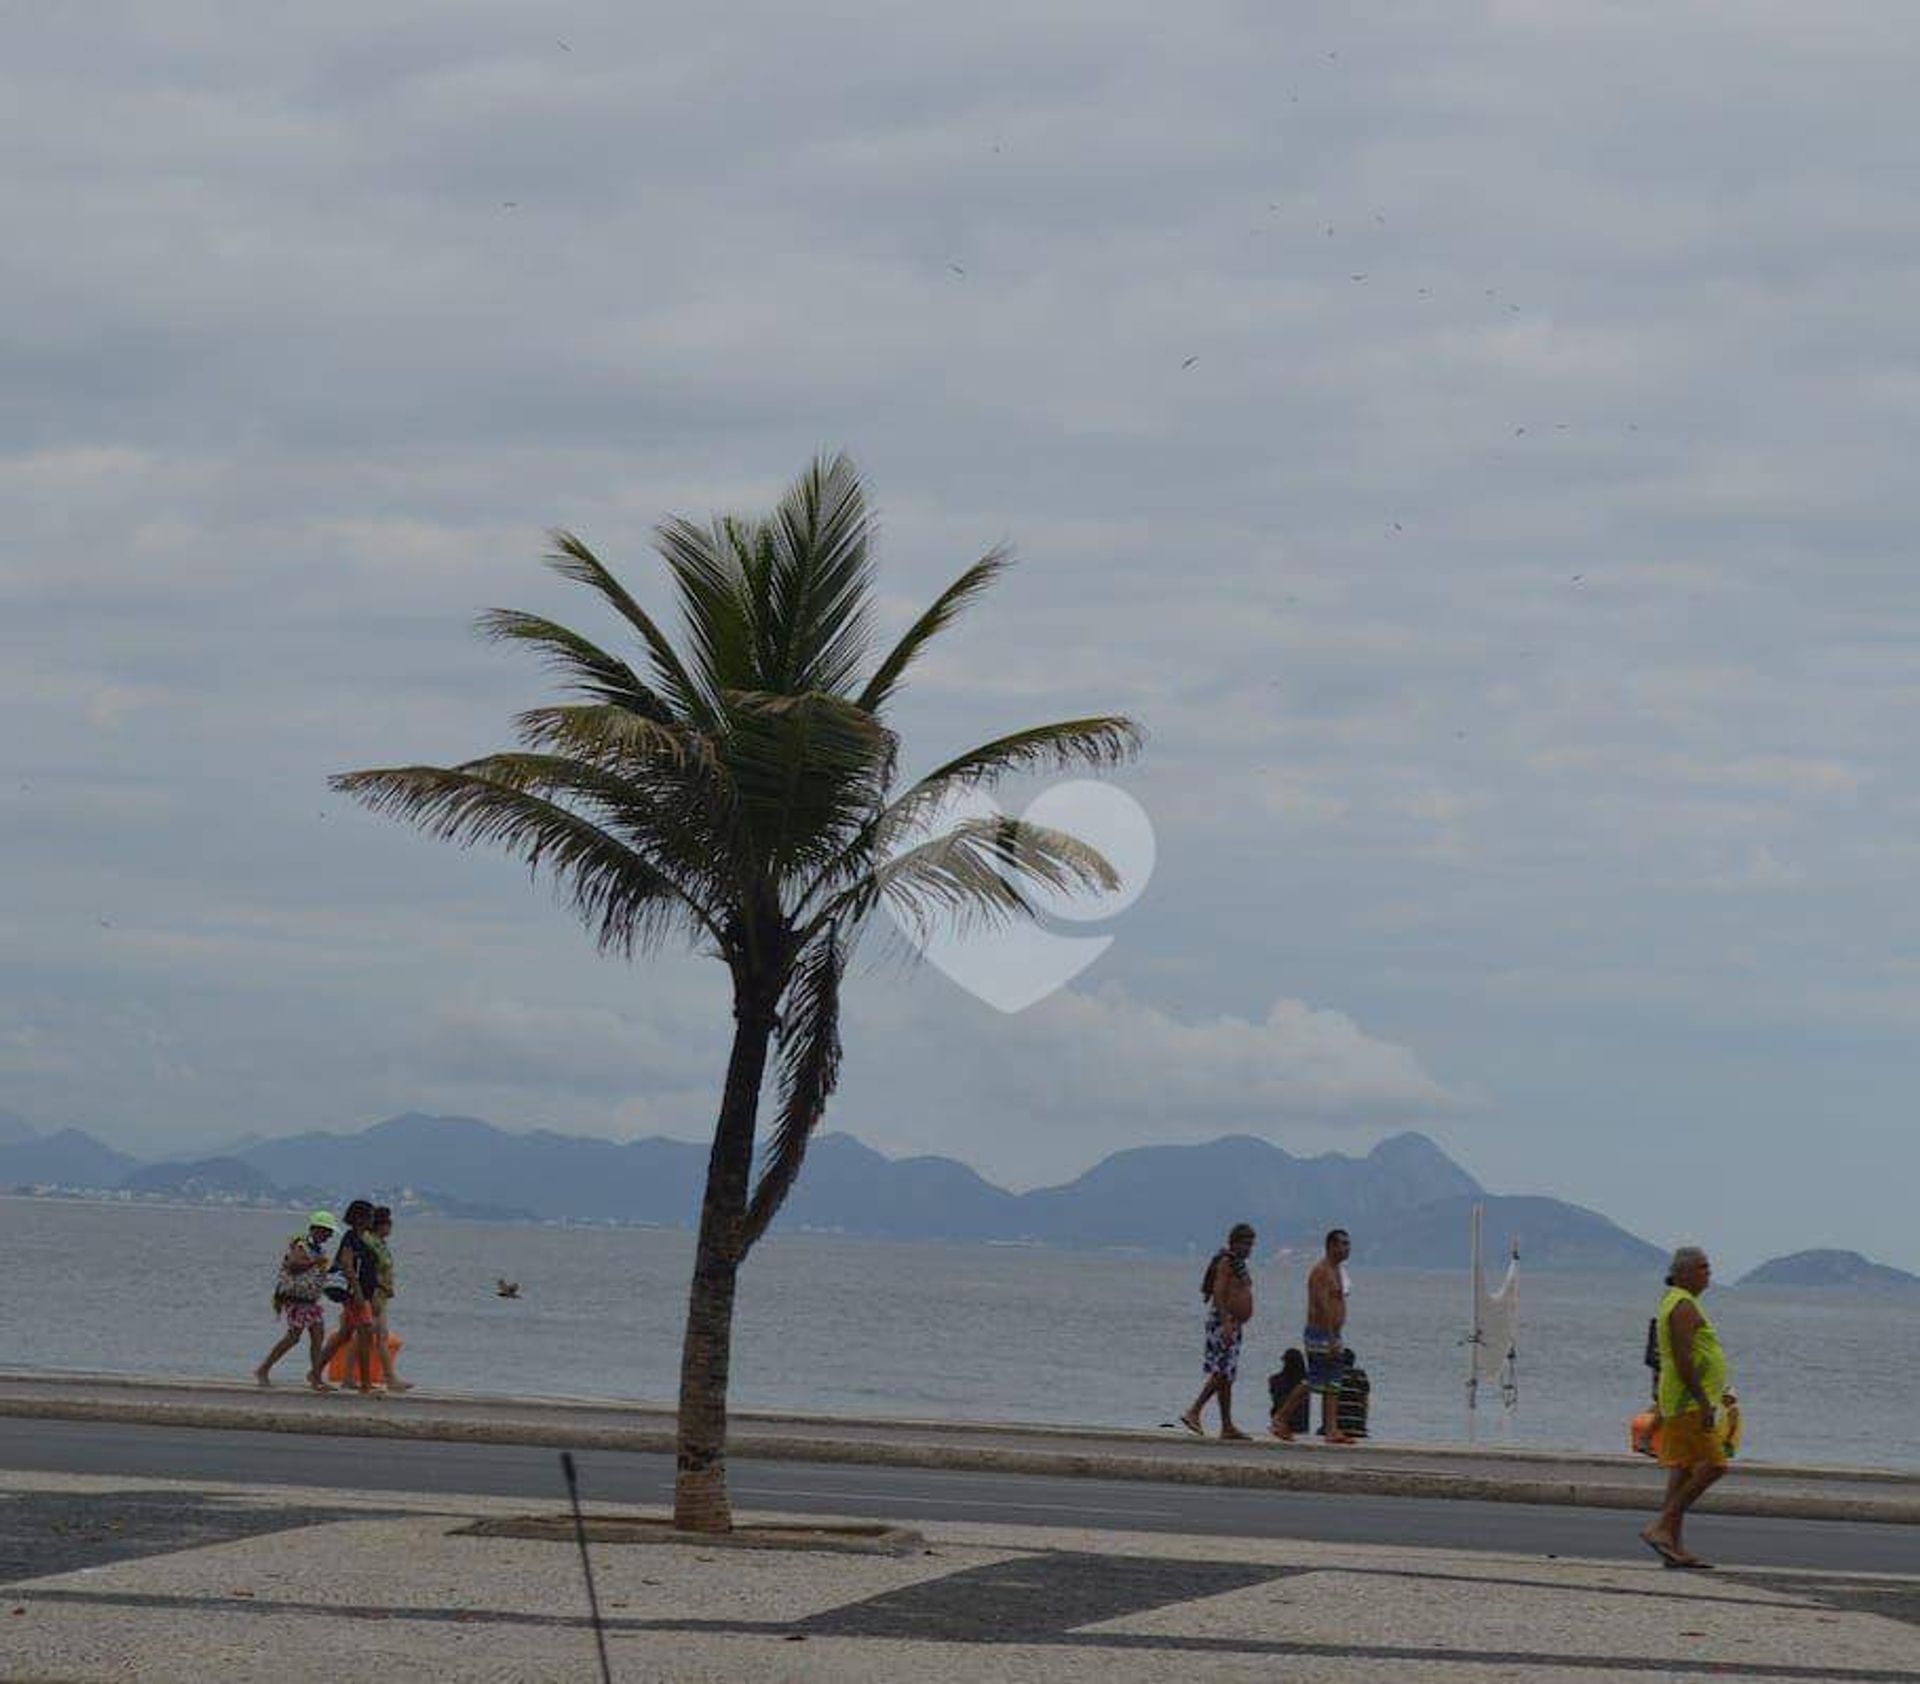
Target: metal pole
[1473,1323]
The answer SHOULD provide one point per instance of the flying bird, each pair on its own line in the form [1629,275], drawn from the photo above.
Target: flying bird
[956,268]
[1190,362]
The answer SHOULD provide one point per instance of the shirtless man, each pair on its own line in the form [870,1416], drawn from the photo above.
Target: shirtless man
[1324,1339]
[1227,1289]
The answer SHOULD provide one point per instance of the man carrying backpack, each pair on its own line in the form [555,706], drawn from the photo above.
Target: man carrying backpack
[296,1295]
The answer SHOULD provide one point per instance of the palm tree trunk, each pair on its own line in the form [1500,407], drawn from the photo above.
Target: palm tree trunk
[700,1501]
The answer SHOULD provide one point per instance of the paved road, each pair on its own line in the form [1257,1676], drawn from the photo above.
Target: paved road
[924,1494]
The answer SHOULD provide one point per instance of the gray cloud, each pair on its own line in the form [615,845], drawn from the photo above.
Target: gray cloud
[1514,578]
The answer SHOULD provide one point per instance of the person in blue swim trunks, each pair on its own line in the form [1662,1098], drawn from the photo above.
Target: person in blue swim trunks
[1324,1340]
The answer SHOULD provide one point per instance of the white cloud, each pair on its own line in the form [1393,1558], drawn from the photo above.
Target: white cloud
[1047,1091]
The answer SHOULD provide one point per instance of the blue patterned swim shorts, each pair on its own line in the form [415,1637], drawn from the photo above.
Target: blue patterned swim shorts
[1223,1348]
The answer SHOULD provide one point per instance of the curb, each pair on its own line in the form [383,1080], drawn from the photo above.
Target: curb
[749,1441]
[1147,1440]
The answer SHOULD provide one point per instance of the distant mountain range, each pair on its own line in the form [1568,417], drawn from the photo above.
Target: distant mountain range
[1847,1269]
[1406,1201]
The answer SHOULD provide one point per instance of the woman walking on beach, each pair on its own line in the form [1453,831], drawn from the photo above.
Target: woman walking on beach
[377,1238]
[356,1262]
[1228,1291]
[296,1295]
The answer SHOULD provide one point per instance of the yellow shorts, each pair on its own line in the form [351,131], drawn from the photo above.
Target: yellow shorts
[1686,1441]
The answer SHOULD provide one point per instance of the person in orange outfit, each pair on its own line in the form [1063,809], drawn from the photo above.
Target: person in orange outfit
[356,1262]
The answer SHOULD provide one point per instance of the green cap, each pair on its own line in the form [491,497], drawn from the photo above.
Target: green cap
[323,1219]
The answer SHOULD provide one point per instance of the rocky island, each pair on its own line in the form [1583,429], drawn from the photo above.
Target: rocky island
[1832,1269]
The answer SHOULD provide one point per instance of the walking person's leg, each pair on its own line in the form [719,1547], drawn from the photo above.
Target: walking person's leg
[383,1353]
[1330,1428]
[363,1356]
[1217,1363]
[317,1376]
[287,1342]
[1696,1459]
[1191,1419]
[1224,1392]
[1698,1482]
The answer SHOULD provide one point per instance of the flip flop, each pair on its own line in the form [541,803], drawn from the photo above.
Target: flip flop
[1693,1564]
[1193,1426]
[1669,1556]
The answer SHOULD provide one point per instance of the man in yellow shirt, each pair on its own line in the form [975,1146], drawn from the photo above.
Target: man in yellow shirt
[1694,1390]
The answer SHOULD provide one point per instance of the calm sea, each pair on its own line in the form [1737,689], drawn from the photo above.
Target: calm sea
[958,1332]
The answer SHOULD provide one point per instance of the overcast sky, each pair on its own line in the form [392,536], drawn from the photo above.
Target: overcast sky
[1475,439]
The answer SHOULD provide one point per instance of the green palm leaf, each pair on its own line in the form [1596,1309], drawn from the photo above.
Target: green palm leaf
[946,608]
[571,559]
[628,903]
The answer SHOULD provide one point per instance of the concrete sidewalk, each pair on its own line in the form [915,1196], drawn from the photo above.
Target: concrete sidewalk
[1517,1476]
[130,1580]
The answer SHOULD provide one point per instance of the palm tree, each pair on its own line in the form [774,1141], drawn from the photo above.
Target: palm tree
[738,794]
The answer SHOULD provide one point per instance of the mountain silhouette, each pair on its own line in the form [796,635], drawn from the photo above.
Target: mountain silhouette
[70,1158]
[1405,1201]
[1151,1198]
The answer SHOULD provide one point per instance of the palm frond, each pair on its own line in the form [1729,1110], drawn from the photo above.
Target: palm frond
[712,570]
[615,735]
[676,816]
[946,608]
[819,582]
[625,898]
[981,872]
[809,1072]
[809,770]
[590,668]
[1094,743]
[571,559]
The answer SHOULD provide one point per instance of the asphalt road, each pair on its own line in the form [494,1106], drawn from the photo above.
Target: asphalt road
[909,1494]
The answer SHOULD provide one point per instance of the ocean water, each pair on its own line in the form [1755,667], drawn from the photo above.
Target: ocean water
[835,1325]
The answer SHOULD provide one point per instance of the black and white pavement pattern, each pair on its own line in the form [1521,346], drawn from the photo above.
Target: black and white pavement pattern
[118,1577]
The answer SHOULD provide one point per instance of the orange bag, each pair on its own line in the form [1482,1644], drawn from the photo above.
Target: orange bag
[1643,1431]
[340,1368]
